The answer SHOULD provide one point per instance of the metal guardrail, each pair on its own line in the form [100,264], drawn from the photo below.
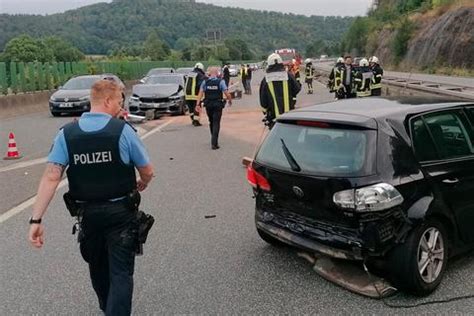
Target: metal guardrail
[423,86]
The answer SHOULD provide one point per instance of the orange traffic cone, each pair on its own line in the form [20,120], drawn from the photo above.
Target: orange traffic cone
[12,152]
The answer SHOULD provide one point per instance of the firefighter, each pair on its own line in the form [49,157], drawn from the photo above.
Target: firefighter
[193,83]
[376,87]
[363,79]
[278,90]
[335,79]
[309,72]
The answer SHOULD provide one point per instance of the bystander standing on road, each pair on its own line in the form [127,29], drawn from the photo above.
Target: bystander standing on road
[101,154]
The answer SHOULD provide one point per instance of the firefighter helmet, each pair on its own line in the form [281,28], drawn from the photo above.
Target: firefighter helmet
[340,60]
[307,61]
[363,62]
[375,60]
[274,59]
[199,66]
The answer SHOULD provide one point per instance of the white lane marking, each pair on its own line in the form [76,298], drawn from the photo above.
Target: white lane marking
[21,207]
[34,162]
[24,164]
[158,128]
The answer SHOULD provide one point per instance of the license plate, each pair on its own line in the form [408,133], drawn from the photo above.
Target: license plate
[66,105]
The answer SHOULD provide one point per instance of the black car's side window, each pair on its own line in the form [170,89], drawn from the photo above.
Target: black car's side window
[450,134]
[424,147]
[443,135]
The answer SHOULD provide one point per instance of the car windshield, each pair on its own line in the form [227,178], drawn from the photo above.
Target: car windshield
[319,151]
[79,83]
[164,80]
[158,71]
[184,70]
[287,57]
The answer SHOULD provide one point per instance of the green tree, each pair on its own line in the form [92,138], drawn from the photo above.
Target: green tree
[401,38]
[27,49]
[154,48]
[62,50]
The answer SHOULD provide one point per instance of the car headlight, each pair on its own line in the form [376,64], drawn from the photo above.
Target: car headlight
[134,98]
[52,99]
[84,98]
[373,198]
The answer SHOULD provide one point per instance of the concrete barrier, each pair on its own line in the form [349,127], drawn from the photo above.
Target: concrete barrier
[34,102]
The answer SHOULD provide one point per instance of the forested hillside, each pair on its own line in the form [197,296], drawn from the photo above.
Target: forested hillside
[123,24]
[431,35]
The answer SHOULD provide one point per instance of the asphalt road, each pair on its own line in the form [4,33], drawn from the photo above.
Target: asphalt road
[192,265]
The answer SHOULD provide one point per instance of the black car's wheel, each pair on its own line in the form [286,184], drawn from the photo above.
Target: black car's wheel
[418,265]
[269,239]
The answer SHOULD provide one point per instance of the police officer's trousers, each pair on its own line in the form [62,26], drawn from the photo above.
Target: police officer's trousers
[214,113]
[108,245]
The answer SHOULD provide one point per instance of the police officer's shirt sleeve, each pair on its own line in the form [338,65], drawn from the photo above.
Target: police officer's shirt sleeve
[223,86]
[132,149]
[203,85]
[58,153]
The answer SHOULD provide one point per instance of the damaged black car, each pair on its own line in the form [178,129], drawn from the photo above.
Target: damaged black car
[161,94]
[373,180]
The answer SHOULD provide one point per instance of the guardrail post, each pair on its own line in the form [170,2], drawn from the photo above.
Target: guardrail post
[3,78]
[14,77]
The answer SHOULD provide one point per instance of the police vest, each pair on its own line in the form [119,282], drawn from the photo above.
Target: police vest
[96,171]
[192,88]
[213,93]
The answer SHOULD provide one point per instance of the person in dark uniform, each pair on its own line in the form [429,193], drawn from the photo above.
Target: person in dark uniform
[226,74]
[249,79]
[278,90]
[213,90]
[193,82]
[101,154]
[347,77]
[309,72]
[376,87]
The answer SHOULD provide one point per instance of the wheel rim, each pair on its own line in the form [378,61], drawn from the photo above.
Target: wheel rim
[430,255]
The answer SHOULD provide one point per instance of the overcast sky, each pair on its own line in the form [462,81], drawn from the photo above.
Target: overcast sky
[307,7]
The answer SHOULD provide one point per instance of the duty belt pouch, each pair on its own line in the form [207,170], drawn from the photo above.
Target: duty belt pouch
[71,204]
[144,222]
[133,200]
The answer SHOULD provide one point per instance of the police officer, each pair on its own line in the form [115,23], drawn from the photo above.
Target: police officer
[376,86]
[363,79]
[193,82]
[309,75]
[100,153]
[278,90]
[213,90]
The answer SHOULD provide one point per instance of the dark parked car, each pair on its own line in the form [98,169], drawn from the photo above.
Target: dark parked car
[74,96]
[388,182]
[164,94]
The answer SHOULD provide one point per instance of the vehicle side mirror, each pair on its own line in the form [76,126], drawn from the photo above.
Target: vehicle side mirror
[142,81]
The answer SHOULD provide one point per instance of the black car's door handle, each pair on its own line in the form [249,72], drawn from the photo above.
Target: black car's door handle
[451,181]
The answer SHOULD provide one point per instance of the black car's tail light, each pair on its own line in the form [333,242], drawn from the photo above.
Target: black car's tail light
[376,197]
[256,180]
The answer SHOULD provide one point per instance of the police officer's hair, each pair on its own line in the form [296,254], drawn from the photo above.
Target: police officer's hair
[105,88]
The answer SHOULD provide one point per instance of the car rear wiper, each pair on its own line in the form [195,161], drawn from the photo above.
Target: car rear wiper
[291,160]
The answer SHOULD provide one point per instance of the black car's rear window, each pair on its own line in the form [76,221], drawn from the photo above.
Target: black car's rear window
[320,151]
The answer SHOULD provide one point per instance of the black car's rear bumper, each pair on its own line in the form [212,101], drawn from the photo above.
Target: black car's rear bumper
[371,239]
